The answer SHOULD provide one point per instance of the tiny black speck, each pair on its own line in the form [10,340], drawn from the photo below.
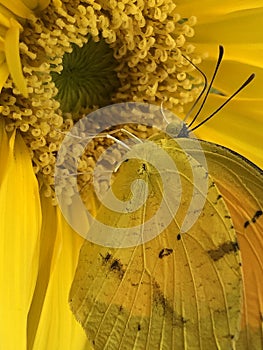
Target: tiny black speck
[178,237]
[236,246]
[139,327]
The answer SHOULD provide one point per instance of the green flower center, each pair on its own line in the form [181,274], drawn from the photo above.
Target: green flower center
[88,77]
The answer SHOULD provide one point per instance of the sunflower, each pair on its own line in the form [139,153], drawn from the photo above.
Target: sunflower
[52,73]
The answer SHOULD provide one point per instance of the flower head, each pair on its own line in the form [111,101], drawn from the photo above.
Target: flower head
[60,60]
[120,51]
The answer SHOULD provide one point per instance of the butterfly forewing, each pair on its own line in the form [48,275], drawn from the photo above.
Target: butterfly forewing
[180,290]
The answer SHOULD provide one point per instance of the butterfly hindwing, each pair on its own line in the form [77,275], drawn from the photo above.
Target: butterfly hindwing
[241,185]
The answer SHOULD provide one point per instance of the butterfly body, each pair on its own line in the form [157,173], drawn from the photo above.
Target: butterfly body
[177,129]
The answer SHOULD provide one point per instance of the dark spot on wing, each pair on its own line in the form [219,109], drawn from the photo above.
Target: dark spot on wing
[160,299]
[253,220]
[116,265]
[144,166]
[113,264]
[142,169]
[134,284]
[139,327]
[165,252]
[106,258]
[225,248]
[183,320]
[246,224]
[178,237]
[218,198]
[163,306]
[257,215]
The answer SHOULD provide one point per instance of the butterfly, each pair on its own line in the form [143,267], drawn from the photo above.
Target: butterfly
[197,283]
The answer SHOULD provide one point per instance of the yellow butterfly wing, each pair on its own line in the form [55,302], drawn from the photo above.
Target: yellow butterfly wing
[176,291]
[241,184]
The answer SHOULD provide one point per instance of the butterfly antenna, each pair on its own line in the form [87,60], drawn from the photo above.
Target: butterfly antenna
[201,93]
[119,142]
[248,81]
[162,112]
[220,56]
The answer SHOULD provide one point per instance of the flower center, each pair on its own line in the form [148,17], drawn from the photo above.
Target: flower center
[88,77]
[76,58]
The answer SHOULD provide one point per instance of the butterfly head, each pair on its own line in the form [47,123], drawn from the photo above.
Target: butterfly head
[177,129]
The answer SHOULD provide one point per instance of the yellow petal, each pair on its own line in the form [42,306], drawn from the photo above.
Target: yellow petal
[234,25]
[18,8]
[57,328]
[225,30]
[42,4]
[238,126]
[13,58]
[210,10]
[4,20]
[20,221]
[50,245]
[246,53]
[4,72]
[232,74]
[3,150]
[5,16]
[233,22]
[36,5]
